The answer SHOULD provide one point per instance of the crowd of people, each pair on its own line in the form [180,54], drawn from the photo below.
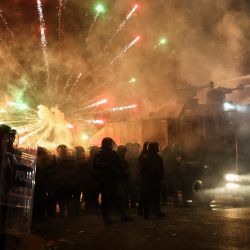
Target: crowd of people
[111,178]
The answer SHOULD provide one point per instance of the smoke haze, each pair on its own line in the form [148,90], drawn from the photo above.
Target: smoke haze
[207,40]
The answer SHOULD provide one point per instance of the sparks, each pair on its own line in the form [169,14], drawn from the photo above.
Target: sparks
[100,9]
[72,88]
[125,49]
[66,87]
[95,121]
[121,26]
[61,7]
[43,37]
[132,11]
[51,127]
[6,25]
[95,104]
[116,109]
[127,18]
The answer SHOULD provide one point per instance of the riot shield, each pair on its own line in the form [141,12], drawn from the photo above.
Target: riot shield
[17,180]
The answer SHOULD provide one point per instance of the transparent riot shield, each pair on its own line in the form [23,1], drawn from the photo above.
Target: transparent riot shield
[17,180]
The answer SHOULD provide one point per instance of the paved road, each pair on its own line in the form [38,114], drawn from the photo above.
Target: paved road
[190,228]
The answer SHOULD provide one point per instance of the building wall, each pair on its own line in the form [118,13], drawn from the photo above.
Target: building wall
[134,131]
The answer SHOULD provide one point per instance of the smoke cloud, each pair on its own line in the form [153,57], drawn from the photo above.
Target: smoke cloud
[207,40]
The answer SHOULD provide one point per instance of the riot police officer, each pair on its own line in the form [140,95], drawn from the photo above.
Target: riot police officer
[152,173]
[107,165]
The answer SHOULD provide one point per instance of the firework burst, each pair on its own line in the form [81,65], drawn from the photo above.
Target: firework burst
[46,125]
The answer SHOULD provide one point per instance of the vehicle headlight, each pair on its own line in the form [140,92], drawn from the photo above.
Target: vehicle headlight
[232,177]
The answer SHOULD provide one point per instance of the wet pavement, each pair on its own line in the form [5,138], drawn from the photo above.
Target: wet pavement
[183,228]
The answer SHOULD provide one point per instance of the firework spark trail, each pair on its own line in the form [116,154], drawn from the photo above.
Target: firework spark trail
[71,90]
[16,122]
[43,37]
[24,130]
[27,128]
[125,49]
[45,135]
[48,145]
[235,79]
[21,106]
[92,121]
[24,134]
[90,91]
[127,18]
[94,21]
[117,86]
[61,8]
[93,105]
[121,26]
[95,121]
[6,25]
[66,87]
[115,109]
[119,55]
[31,134]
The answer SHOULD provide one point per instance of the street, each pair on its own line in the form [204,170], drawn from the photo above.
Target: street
[183,228]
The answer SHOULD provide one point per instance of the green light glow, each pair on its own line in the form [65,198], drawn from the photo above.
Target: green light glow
[163,41]
[22,106]
[100,8]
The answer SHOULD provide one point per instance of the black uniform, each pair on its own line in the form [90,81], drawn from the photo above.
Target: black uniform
[152,173]
[65,185]
[107,165]
[91,188]
[123,182]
